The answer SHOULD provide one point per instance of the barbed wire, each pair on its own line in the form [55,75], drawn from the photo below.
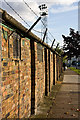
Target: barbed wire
[26,22]
[37,16]
[20,16]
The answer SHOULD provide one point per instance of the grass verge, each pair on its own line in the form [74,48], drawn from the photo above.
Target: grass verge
[76,70]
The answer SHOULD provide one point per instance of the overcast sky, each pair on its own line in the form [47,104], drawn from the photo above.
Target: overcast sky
[62,15]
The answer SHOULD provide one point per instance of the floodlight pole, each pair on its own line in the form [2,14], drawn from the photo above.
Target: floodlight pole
[43,13]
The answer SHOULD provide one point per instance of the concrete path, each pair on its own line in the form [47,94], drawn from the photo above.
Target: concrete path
[67,100]
[64,100]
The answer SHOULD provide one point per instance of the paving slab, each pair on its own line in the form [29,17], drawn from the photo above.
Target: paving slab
[71,79]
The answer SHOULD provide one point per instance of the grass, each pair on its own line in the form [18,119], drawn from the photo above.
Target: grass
[76,70]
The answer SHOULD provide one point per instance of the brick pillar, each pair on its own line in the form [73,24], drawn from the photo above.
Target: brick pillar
[32,77]
[0,75]
[46,73]
[45,53]
[54,69]
[58,60]
[60,66]
[58,69]
[49,69]
[36,67]
[44,69]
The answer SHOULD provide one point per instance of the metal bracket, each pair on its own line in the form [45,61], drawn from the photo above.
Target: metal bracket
[33,25]
[11,33]
[57,46]
[44,35]
[52,43]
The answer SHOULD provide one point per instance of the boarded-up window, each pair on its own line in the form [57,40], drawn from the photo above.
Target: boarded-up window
[39,53]
[16,45]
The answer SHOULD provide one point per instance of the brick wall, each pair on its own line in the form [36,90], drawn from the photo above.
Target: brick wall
[25,79]
[28,70]
[16,76]
[40,73]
